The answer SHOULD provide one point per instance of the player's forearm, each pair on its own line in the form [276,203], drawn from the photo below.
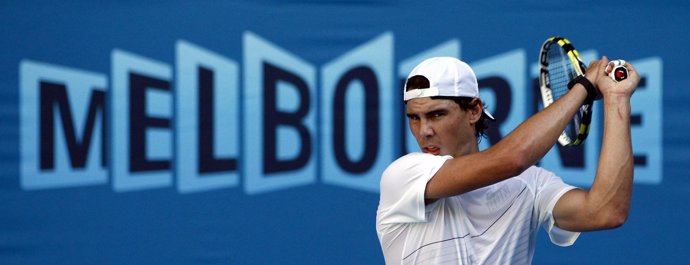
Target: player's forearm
[612,187]
[534,137]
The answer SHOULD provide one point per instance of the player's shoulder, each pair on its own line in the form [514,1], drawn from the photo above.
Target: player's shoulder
[536,176]
[411,167]
[411,157]
[416,158]
[412,161]
[535,171]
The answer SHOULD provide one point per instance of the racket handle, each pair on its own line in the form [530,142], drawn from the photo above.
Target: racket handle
[619,72]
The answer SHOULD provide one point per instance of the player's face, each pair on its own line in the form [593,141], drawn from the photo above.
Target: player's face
[441,127]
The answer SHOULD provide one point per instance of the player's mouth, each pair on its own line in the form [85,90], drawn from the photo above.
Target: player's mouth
[432,150]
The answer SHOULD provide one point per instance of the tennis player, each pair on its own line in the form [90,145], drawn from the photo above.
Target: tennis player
[452,204]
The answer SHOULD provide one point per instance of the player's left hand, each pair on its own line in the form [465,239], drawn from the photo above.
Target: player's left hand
[609,87]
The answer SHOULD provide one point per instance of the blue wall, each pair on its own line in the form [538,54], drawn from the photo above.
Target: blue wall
[254,132]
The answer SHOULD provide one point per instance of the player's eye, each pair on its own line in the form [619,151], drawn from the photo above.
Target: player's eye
[436,115]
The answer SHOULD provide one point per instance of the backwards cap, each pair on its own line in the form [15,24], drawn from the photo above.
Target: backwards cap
[448,77]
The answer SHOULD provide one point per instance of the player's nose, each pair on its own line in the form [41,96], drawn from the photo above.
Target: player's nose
[426,129]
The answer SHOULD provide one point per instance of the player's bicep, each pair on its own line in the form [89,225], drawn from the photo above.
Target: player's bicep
[439,186]
[448,181]
[466,173]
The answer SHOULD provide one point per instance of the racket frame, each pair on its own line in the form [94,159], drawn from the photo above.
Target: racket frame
[547,93]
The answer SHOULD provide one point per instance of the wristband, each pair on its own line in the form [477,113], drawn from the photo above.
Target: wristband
[591,90]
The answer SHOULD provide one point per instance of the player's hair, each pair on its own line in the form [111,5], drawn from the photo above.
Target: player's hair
[465,103]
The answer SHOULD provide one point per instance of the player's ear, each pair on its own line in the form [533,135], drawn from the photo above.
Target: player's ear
[475,110]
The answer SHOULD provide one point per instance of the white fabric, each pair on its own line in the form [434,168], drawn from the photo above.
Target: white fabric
[497,224]
[421,93]
[453,78]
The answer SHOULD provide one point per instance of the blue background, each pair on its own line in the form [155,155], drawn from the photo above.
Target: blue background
[315,223]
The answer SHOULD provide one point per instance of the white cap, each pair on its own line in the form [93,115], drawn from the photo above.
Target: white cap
[448,77]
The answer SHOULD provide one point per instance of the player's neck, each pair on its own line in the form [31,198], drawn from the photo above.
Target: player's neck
[470,148]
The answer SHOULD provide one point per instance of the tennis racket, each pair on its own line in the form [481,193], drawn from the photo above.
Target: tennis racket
[560,66]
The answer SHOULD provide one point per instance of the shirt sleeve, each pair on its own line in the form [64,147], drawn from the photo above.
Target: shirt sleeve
[550,188]
[402,187]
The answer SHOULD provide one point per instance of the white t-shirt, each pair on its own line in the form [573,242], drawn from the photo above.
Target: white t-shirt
[496,224]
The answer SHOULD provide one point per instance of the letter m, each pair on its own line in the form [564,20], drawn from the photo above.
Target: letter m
[62,126]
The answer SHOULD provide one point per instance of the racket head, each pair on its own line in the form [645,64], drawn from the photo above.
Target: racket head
[559,64]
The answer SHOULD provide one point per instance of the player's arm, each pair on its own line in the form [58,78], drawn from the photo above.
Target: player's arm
[520,149]
[607,203]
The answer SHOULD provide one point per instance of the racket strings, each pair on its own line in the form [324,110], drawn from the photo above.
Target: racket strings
[561,71]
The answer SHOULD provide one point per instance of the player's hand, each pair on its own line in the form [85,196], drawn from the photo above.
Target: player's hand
[593,72]
[609,87]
